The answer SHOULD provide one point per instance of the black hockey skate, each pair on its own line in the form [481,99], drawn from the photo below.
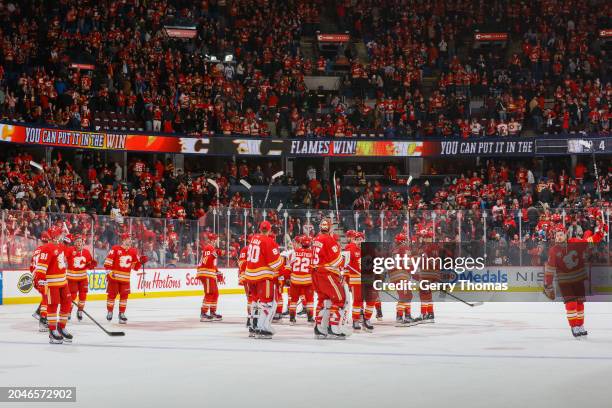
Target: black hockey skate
[263,334]
[367,326]
[277,317]
[310,319]
[122,318]
[582,331]
[428,318]
[292,321]
[356,325]
[109,316]
[318,334]
[204,317]
[55,337]
[399,321]
[43,326]
[335,336]
[409,321]
[576,333]
[79,315]
[67,336]
[216,317]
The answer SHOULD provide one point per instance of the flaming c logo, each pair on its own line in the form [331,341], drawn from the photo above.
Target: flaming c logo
[6,132]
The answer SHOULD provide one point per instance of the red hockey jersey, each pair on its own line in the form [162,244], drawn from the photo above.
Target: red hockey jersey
[78,263]
[120,262]
[327,257]
[208,264]
[263,259]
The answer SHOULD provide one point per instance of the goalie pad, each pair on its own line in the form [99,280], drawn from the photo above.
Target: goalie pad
[346,312]
[324,314]
[265,315]
[549,291]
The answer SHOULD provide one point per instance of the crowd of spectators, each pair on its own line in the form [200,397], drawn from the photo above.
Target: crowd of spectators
[557,80]
[168,209]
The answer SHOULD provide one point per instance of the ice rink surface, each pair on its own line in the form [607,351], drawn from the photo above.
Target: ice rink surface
[495,355]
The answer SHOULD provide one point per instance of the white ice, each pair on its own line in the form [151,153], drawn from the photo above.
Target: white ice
[495,355]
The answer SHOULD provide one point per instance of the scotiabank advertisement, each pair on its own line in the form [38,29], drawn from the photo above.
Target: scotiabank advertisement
[17,285]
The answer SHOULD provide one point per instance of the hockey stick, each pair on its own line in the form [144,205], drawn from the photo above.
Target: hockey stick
[470,304]
[110,333]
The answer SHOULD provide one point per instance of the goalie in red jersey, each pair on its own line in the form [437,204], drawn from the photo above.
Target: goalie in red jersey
[327,282]
[209,275]
[79,262]
[567,260]
[50,271]
[263,263]
[119,264]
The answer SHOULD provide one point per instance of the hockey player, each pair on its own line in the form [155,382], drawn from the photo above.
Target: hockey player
[209,275]
[566,260]
[263,263]
[403,308]
[119,264]
[352,264]
[427,272]
[327,282]
[79,262]
[301,280]
[41,312]
[50,271]
[242,262]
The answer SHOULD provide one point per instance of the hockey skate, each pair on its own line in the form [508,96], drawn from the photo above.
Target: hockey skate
[310,319]
[204,317]
[122,318]
[399,321]
[277,317]
[42,325]
[67,336]
[379,314]
[55,337]
[409,321]
[36,313]
[109,316]
[576,332]
[428,318]
[216,317]
[263,334]
[367,326]
[583,331]
[79,315]
[356,325]
[335,336]
[319,335]
[292,321]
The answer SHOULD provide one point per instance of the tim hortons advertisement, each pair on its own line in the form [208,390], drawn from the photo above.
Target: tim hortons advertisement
[18,286]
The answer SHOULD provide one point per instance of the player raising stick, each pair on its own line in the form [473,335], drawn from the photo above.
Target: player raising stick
[119,263]
[263,262]
[209,275]
[79,262]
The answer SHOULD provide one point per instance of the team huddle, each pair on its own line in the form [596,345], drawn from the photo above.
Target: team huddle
[315,268]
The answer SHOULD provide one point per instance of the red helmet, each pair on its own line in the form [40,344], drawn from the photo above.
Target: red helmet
[265,226]
[325,225]
[360,235]
[212,236]
[305,241]
[69,238]
[44,236]
[401,237]
[55,232]
[351,234]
